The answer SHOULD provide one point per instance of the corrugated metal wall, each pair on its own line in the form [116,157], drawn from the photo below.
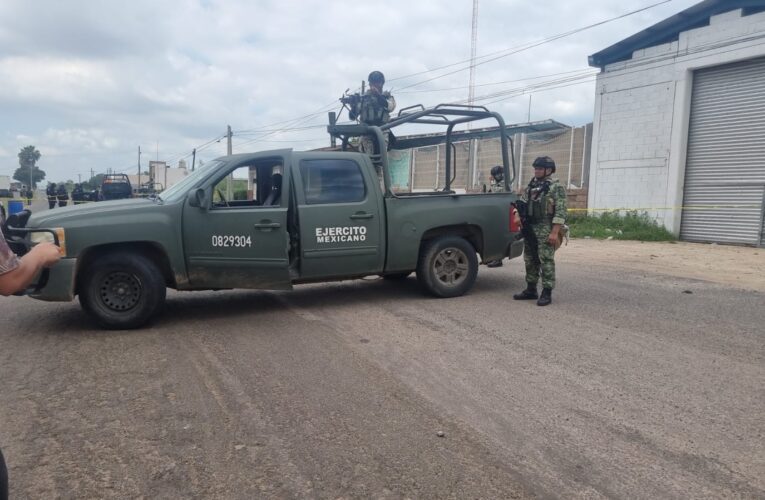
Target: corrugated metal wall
[724,189]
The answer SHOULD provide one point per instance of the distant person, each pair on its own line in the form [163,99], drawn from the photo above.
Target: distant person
[62,195]
[78,194]
[30,193]
[50,192]
[545,215]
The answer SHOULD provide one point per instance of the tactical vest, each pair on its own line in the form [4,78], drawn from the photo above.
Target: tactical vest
[372,110]
[538,208]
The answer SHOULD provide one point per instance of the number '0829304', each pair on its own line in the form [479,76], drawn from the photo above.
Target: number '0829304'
[231,241]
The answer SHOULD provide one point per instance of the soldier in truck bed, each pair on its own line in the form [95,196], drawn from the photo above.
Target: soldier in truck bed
[374,108]
[497,186]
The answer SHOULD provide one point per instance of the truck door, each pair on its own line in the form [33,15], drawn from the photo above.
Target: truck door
[240,239]
[341,212]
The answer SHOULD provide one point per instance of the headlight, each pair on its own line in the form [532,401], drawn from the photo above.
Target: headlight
[41,236]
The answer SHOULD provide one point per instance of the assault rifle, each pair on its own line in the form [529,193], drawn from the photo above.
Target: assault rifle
[353,102]
[523,212]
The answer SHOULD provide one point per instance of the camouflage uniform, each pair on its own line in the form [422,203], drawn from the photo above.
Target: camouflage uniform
[546,200]
[497,186]
[374,109]
[8,260]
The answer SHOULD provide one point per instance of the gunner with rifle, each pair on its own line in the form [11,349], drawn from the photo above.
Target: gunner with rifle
[373,107]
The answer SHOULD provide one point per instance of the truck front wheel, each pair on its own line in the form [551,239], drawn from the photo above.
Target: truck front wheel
[447,267]
[122,290]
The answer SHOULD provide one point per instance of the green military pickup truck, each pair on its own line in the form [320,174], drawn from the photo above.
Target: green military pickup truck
[274,219]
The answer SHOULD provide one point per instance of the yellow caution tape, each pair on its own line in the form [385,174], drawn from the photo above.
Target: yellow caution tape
[692,207]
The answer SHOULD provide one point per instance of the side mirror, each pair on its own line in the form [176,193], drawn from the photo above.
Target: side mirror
[197,198]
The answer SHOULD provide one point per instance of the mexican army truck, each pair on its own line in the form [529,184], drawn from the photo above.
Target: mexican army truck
[276,219]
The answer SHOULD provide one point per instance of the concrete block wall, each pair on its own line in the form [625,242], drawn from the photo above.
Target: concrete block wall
[642,109]
[576,199]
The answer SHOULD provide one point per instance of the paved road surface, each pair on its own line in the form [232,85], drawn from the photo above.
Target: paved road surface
[627,387]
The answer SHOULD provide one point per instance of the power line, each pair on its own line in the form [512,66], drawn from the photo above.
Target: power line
[583,71]
[514,50]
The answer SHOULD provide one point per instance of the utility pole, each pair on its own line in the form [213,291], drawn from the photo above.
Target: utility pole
[528,117]
[332,122]
[473,45]
[79,178]
[230,182]
[193,158]
[139,167]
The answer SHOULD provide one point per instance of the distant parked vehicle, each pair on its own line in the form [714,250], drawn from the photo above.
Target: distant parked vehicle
[116,187]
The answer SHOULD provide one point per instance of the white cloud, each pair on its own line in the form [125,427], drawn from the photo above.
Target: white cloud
[88,82]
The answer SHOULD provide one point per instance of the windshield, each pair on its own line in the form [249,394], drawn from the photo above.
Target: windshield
[178,191]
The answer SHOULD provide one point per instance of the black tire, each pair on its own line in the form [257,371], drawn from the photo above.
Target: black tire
[447,267]
[396,276]
[122,290]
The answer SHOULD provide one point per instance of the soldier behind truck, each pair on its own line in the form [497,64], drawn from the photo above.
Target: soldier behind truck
[497,185]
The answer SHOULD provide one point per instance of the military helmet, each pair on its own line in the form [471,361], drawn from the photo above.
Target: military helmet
[544,162]
[497,171]
[376,77]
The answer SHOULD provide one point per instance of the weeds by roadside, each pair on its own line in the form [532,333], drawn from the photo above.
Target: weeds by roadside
[630,226]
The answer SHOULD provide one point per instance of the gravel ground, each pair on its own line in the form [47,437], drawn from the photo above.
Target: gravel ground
[644,379]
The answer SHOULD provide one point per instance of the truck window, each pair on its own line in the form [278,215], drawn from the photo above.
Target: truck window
[332,181]
[248,186]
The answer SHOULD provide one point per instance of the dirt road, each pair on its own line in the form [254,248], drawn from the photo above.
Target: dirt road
[737,266]
[642,380]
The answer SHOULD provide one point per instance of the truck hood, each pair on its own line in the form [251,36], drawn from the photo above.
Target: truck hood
[58,217]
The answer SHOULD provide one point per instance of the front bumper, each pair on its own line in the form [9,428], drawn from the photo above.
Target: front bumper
[60,287]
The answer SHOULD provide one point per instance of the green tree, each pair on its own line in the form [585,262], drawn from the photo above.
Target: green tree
[28,157]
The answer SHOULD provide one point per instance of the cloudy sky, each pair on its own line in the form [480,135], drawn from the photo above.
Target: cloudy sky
[88,82]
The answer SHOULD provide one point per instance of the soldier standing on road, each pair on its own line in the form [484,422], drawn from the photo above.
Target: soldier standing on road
[374,108]
[62,195]
[50,191]
[497,186]
[545,214]
[78,194]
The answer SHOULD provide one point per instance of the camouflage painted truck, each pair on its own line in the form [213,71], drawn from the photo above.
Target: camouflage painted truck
[275,219]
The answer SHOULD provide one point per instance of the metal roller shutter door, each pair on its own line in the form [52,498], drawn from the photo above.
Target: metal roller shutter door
[725,167]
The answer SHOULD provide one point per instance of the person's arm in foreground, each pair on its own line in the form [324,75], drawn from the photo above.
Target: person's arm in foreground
[21,271]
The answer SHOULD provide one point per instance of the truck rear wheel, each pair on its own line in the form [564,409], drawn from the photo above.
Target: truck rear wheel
[447,267]
[122,290]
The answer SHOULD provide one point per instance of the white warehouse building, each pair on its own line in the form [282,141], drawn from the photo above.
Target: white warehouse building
[679,125]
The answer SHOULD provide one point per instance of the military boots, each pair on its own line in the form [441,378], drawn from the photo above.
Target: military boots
[546,298]
[530,293]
